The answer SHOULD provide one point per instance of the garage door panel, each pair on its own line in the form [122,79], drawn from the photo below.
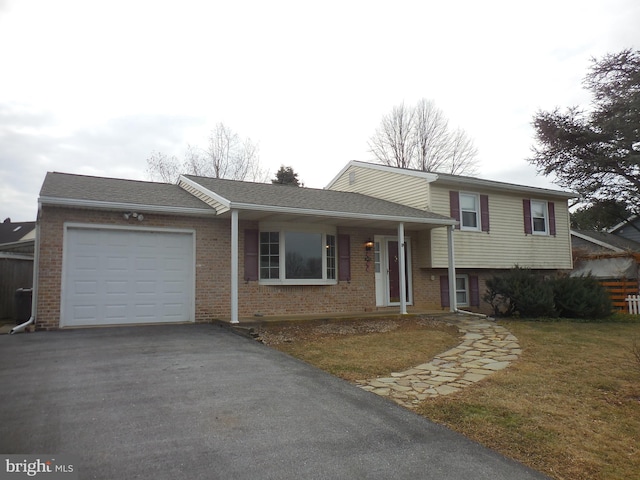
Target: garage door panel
[127,277]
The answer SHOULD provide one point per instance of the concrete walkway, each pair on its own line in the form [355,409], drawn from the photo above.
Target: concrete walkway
[486,348]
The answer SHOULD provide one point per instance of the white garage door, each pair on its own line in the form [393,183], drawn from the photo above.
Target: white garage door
[113,277]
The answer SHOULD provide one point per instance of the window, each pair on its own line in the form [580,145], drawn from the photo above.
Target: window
[462,290]
[331,257]
[469,211]
[269,255]
[539,217]
[297,256]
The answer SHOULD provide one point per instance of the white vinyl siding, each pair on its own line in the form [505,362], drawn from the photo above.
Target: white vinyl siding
[394,187]
[506,245]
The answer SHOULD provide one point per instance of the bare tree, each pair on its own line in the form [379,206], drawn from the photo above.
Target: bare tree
[462,154]
[420,138]
[431,137]
[392,143]
[226,156]
[161,167]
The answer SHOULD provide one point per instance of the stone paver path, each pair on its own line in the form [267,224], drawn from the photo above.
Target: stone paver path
[485,349]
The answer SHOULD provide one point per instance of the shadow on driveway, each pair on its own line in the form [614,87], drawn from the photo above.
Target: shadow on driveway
[199,402]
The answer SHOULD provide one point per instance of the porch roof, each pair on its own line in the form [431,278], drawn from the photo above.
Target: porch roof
[262,201]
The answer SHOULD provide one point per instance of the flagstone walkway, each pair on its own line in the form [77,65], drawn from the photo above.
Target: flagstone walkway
[485,349]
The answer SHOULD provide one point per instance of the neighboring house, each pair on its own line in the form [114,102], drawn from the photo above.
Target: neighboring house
[613,259]
[629,229]
[17,241]
[17,236]
[117,251]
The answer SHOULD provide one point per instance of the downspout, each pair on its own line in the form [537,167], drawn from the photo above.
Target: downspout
[453,307]
[234,266]
[34,287]
[403,269]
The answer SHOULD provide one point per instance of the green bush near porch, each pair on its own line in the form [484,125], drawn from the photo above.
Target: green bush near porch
[527,294]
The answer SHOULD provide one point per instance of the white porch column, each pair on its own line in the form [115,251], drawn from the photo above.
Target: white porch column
[452,270]
[403,268]
[234,266]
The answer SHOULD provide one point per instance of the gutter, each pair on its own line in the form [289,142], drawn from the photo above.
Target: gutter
[473,314]
[22,326]
[34,288]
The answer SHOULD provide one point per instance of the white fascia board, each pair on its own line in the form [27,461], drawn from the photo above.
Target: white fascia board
[430,177]
[215,196]
[600,243]
[622,223]
[334,214]
[16,256]
[496,185]
[74,202]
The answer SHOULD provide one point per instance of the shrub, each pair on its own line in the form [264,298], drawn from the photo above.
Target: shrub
[520,292]
[527,294]
[581,297]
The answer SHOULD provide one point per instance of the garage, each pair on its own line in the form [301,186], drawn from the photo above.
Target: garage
[114,276]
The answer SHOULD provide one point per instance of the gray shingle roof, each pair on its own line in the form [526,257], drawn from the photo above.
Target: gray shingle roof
[611,239]
[263,194]
[87,189]
[13,231]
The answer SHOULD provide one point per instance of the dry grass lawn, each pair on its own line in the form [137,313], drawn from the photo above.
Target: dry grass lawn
[356,350]
[569,407]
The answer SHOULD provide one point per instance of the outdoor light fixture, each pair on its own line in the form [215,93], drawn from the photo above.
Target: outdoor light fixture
[368,245]
[137,215]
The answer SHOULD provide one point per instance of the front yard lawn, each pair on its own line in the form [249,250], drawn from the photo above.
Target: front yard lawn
[569,407]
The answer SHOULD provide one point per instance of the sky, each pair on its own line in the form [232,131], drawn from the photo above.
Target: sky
[95,87]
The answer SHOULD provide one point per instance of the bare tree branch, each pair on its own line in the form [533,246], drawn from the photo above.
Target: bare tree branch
[392,143]
[226,156]
[419,137]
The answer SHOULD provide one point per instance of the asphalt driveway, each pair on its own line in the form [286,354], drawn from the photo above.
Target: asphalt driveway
[199,402]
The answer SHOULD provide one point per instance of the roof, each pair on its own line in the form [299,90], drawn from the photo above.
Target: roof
[629,220]
[99,192]
[11,232]
[611,241]
[459,180]
[309,201]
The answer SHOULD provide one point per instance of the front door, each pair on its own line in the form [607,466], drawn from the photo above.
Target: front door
[393,269]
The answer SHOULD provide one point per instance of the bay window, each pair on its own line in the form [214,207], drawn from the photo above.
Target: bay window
[297,255]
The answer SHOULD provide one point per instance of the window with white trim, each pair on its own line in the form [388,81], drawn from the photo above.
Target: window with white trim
[539,217]
[297,256]
[462,290]
[469,211]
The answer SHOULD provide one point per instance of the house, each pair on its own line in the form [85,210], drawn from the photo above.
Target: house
[114,251]
[498,225]
[611,258]
[17,236]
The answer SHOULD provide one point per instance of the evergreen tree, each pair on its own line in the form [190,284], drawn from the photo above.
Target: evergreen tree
[286,176]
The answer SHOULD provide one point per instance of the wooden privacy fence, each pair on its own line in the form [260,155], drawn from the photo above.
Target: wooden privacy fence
[619,290]
[16,271]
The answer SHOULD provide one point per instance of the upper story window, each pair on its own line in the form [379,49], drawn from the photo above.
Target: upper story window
[539,217]
[297,256]
[469,211]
